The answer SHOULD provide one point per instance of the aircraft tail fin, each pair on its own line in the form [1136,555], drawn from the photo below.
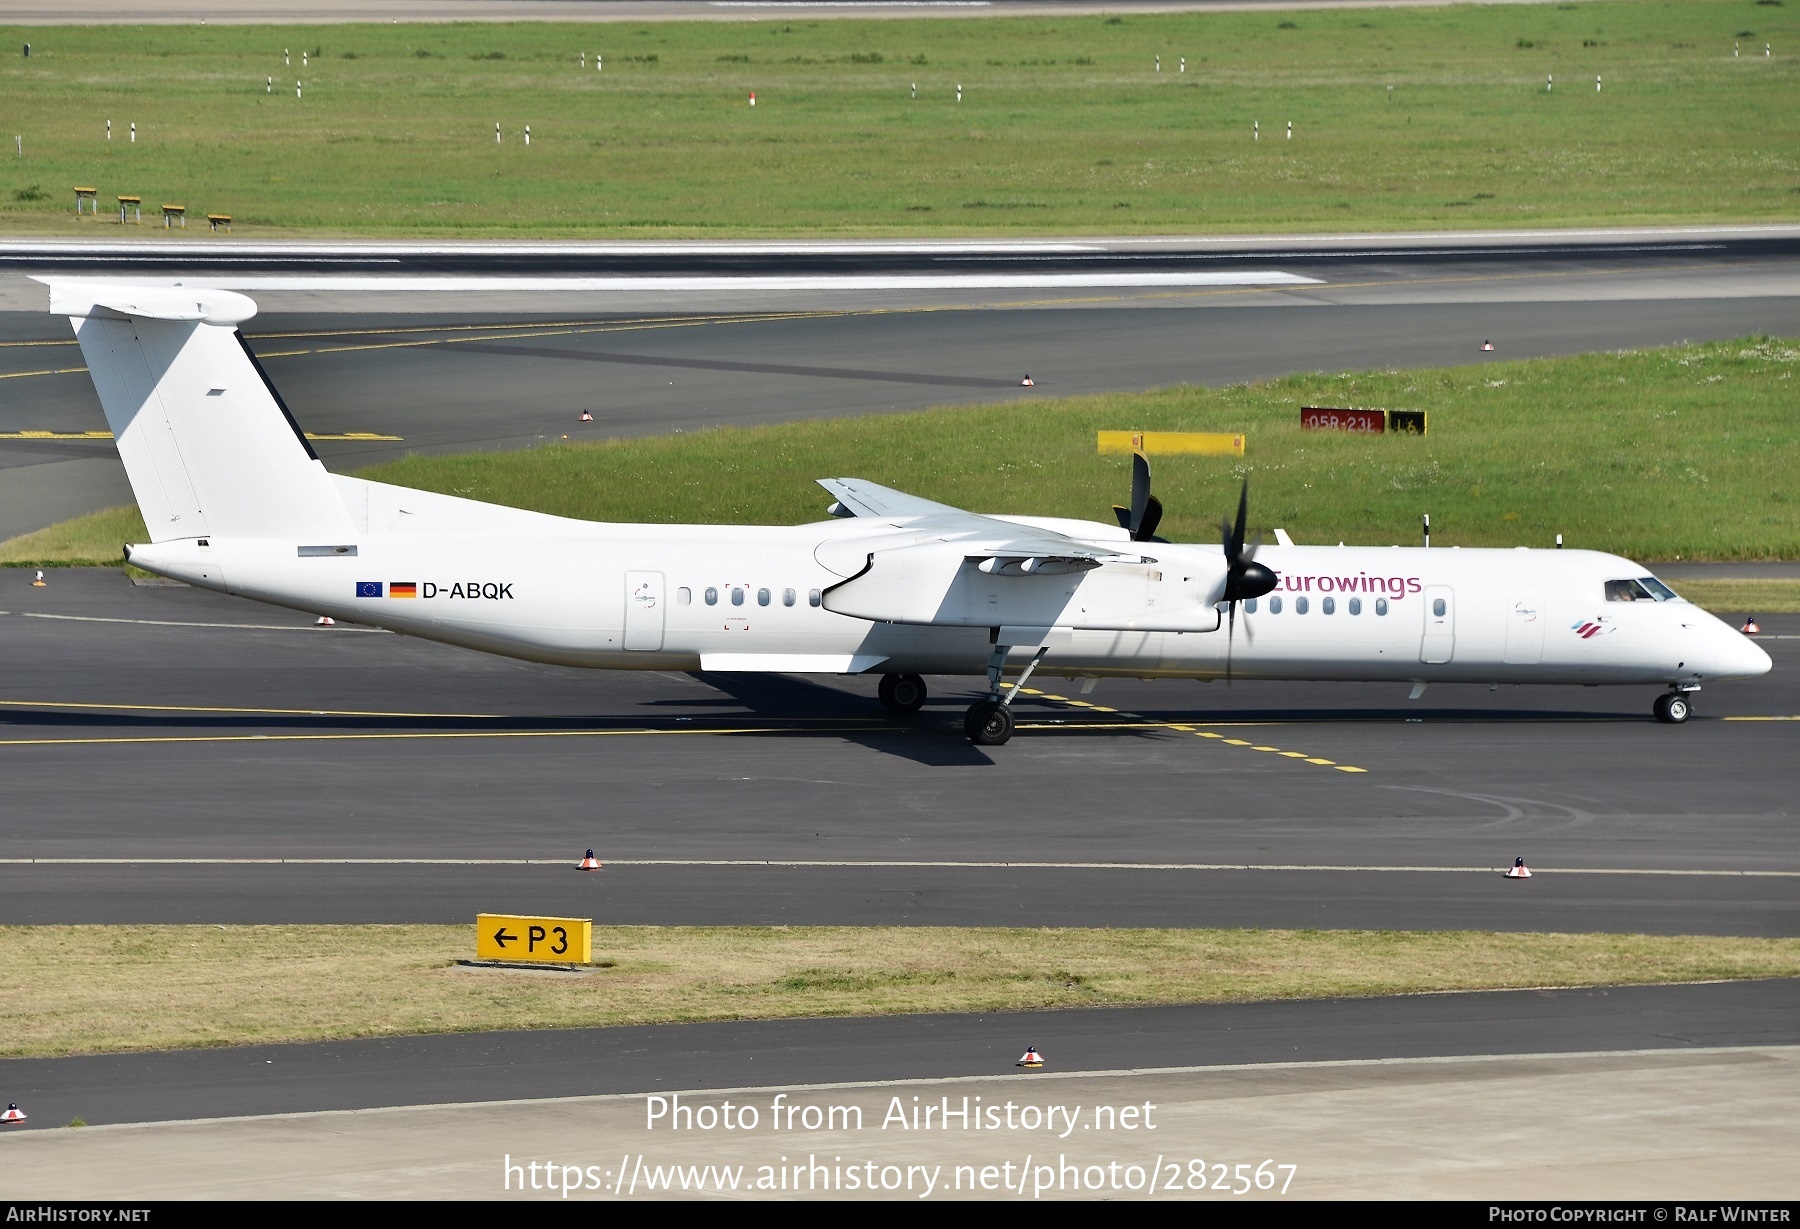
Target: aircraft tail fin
[208,445]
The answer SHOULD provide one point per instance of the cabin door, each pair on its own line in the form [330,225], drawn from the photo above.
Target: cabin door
[1440,625]
[643,610]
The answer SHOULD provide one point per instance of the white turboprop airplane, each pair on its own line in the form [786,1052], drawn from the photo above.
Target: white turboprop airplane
[894,585]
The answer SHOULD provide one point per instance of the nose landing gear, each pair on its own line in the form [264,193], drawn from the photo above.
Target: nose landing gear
[1672,708]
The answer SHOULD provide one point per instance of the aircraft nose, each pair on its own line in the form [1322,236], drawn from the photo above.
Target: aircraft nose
[1737,656]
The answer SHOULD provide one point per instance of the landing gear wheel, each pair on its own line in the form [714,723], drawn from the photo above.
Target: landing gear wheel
[1671,708]
[989,723]
[902,693]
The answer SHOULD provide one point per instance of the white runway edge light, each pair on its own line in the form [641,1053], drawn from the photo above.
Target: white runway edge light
[1030,1059]
[589,862]
[1518,870]
[13,1114]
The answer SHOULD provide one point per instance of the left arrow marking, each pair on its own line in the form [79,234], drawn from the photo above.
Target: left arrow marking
[502,938]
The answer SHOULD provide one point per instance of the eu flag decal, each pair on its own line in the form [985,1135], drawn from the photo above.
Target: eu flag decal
[368,588]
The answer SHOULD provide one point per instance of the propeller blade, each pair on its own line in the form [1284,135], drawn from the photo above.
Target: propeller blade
[1237,532]
[1146,530]
[1140,493]
[1124,515]
[1230,633]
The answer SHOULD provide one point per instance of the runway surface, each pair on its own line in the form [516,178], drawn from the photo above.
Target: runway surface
[584,1062]
[461,369]
[154,736]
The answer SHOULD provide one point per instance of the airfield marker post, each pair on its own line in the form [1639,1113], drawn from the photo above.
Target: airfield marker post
[134,132]
[528,135]
[109,130]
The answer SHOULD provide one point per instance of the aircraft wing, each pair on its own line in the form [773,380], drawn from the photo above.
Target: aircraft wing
[999,546]
[871,499]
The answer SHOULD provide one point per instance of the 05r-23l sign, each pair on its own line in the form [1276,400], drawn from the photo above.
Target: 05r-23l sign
[541,940]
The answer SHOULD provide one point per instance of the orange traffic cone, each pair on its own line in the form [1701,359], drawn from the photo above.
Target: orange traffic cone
[13,1114]
[1487,345]
[1518,870]
[1750,627]
[1028,382]
[325,621]
[1031,1058]
[590,863]
[39,582]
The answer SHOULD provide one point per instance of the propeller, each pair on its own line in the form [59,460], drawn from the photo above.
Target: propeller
[1145,513]
[1244,577]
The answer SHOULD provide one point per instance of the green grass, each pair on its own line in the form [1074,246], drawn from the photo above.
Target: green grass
[85,989]
[1687,452]
[1064,126]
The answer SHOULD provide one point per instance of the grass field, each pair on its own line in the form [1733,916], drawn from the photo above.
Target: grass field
[1064,125]
[83,989]
[1688,453]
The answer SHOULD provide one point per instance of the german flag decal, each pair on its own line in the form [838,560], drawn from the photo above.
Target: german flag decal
[403,588]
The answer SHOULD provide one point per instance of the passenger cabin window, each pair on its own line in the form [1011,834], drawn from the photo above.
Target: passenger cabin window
[1356,605]
[1329,605]
[1300,605]
[1250,606]
[712,597]
[815,598]
[762,597]
[737,596]
[684,596]
[1381,605]
[1274,605]
[787,597]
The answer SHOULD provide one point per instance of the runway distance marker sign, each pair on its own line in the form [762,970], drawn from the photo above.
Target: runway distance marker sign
[538,940]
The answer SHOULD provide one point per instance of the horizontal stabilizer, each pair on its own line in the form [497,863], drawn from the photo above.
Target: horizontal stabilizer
[84,298]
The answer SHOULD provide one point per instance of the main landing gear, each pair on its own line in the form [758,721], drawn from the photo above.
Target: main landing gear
[1672,707]
[902,694]
[989,722]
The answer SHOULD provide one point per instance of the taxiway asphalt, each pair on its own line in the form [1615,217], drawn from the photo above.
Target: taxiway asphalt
[174,755]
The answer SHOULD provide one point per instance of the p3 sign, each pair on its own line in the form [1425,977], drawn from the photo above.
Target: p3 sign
[537,940]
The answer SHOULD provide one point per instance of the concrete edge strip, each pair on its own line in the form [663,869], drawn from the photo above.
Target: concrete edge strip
[1712,1052]
[820,864]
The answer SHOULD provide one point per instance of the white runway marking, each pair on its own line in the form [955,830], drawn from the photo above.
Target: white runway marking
[114,860]
[1122,278]
[251,627]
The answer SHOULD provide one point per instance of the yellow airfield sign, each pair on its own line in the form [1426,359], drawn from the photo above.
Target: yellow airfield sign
[539,940]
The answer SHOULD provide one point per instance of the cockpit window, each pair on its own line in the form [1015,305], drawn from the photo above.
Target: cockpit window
[1647,589]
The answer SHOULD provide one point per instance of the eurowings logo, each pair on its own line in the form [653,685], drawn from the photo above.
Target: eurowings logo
[1587,629]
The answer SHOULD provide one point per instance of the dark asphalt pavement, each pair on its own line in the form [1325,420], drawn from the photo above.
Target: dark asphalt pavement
[473,1067]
